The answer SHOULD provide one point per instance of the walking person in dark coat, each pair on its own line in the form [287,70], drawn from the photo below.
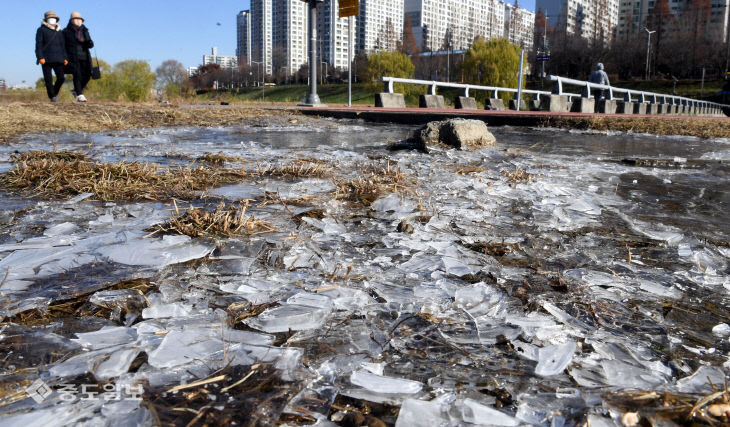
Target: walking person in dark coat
[50,52]
[78,44]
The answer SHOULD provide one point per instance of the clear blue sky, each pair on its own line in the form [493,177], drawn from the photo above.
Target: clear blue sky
[153,30]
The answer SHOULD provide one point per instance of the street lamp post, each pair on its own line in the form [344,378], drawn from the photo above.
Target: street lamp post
[263,79]
[312,97]
[648,47]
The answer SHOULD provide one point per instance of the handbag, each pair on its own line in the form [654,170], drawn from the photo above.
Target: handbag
[95,70]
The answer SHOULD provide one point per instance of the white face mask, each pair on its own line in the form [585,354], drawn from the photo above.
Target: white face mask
[52,21]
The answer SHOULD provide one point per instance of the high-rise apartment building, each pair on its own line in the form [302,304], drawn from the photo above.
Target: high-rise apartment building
[379,25]
[519,26]
[332,33]
[262,36]
[224,61]
[455,24]
[243,37]
[594,20]
[290,42]
[635,15]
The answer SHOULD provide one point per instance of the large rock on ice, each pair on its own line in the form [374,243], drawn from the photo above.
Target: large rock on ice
[458,133]
[469,134]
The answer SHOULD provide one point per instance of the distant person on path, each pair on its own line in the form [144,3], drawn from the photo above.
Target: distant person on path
[50,52]
[78,44]
[599,77]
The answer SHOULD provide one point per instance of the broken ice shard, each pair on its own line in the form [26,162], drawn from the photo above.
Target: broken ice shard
[386,385]
[553,359]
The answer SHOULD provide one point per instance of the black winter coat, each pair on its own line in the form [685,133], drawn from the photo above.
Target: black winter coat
[74,46]
[50,45]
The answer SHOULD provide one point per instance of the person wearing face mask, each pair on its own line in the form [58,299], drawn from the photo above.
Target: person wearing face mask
[50,52]
[78,44]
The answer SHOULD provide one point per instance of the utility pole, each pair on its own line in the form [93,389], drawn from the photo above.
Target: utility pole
[648,47]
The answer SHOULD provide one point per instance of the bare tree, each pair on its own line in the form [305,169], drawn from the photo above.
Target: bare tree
[170,72]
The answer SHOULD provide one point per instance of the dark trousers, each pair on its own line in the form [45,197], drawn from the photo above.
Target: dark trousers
[56,67]
[82,75]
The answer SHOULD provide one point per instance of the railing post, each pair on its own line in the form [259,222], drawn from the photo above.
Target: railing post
[610,93]
[432,90]
[388,84]
[586,92]
[495,94]
[466,91]
[627,96]
[558,87]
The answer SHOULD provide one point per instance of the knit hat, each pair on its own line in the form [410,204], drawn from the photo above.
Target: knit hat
[76,15]
[50,14]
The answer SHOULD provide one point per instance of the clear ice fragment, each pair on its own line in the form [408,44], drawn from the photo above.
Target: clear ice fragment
[386,385]
[552,360]
[476,413]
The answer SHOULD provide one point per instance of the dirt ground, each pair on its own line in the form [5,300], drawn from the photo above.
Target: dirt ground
[19,118]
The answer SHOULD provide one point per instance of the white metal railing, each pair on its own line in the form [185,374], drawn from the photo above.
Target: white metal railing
[628,94]
[558,82]
[493,90]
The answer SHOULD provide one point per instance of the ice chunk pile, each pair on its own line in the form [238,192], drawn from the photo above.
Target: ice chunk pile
[495,287]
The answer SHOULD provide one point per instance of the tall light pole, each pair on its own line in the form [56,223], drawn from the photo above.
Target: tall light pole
[263,80]
[312,98]
[648,46]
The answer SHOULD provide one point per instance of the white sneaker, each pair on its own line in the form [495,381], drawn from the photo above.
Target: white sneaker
[81,98]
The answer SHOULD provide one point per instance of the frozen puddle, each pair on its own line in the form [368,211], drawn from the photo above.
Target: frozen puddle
[460,295]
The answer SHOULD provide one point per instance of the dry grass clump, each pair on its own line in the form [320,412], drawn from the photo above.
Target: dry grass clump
[690,126]
[78,306]
[18,118]
[218,159]
[296,169]
[224,221]
[495,249]
[66,174]
[469,169]
[517,176]
[659,408]
[372,182]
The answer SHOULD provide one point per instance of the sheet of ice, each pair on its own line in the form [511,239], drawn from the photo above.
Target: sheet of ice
[153,252]
[552,360]
[117,364]
[479,414]
[59,414]
[327,225]
[386,385]
[288,317]
[698,382]
[393,206]
[77,199]
[106,337]
[301,188]
[625,375]
[239,191]
[311,300]
[422,413]
[175,309]
[192,344]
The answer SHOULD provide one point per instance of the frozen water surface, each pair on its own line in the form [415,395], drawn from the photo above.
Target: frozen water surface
[460,294]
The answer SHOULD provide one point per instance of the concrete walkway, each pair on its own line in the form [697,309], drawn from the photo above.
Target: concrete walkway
[491,117]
